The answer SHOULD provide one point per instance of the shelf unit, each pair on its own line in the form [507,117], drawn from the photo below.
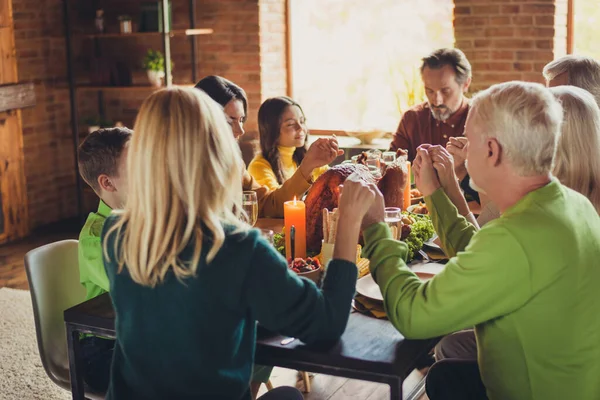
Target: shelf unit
[166,34]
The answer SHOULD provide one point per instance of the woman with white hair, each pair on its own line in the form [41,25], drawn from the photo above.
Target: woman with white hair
[577,162]
[189,280]
[572,70]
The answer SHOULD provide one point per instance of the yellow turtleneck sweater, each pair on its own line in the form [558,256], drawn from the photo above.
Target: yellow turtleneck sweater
[262,172]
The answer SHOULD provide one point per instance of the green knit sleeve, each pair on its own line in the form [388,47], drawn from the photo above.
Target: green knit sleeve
[453,229]
[471,289]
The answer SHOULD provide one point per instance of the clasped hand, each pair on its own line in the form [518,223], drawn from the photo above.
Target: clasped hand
[433,168]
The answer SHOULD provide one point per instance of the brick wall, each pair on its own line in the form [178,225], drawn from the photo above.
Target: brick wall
[509,40]
[47,145]
[273,46]
[233,51]
[503,39]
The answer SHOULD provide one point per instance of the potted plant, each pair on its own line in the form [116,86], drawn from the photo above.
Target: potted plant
[154,64]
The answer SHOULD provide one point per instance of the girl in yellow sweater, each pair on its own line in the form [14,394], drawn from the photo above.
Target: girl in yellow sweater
[283,134]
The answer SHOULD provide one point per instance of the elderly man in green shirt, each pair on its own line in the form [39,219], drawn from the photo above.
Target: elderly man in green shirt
[527,282]
[102,164]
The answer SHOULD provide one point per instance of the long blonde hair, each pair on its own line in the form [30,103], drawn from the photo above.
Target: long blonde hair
[184,174]
[577,163]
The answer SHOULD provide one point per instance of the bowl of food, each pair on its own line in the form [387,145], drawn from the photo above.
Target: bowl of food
[418,209]
[309,268]
[366,137]
[416,196]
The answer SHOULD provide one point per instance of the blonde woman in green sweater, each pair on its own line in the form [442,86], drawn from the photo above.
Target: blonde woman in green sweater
[527,281]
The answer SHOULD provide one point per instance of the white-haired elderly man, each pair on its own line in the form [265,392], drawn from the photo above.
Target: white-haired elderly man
[527,281]
[580,71]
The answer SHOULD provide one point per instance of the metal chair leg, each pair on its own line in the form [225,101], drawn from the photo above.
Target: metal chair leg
[306,379]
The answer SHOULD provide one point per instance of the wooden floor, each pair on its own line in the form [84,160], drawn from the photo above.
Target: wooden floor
[324,387]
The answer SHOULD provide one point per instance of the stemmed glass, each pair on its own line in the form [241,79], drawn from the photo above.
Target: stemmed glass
[250,205]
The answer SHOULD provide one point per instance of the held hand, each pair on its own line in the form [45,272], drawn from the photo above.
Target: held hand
[443,163]
[457,147]
[376,212]
[322,152]
[425,175]
[356,197]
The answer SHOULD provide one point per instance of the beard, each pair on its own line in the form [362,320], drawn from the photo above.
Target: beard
[472,183]
[441,113]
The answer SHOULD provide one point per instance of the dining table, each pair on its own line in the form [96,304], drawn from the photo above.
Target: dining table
[370,349]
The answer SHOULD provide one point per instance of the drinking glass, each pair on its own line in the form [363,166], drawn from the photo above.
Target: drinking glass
[389,157]
[393,217]
[250,205]
[267,234]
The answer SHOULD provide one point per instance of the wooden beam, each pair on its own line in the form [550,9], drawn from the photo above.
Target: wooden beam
[570,27]
[288,49]
[16,96]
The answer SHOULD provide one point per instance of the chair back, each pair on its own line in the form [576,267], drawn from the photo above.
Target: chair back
[53,275]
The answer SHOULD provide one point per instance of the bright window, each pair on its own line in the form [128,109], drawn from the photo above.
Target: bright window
[587,19]
[355,63]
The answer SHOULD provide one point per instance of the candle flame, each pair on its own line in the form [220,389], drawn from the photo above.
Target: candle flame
[294,200]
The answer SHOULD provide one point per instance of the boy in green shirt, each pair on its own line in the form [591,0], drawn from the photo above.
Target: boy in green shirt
[527,281]
[102,164]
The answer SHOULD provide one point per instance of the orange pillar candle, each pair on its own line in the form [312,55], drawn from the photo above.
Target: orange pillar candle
[294,213]
[406,198]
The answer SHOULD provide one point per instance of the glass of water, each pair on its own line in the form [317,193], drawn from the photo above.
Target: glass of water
[250,205]
[389,157]
[268,235]
[393,217]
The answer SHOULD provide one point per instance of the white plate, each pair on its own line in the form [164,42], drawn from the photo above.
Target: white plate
[431,243]
[412,207]
[367,287]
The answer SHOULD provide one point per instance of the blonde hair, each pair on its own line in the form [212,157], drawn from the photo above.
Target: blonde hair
[578,155]
[525,119]
[184,172]
[582,71]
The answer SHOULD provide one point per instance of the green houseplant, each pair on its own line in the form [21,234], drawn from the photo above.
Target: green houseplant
[154,64]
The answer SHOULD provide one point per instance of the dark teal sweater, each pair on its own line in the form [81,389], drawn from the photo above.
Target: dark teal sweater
[196,339]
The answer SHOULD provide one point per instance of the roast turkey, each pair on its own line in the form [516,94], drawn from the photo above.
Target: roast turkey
[325,191]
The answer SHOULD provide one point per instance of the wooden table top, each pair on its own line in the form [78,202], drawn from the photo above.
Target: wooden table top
[368,347]
[368,344]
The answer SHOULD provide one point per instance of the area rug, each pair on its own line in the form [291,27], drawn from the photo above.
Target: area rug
[22,376]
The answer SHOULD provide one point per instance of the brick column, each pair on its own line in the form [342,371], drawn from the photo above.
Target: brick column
[506,41]
[273,48]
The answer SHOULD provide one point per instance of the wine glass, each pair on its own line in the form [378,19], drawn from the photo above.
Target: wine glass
[268,235]
[250,205]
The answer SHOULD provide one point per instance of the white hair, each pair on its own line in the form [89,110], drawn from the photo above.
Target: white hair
[525,118]
[583,72]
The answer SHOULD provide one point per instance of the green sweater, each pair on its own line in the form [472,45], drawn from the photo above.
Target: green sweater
[91,268]
[528,282]
[196,339]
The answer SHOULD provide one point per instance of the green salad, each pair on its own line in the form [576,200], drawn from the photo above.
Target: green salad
[421,230]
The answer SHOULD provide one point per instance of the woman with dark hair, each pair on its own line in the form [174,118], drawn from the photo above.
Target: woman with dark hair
[283,134]
[270,200]
[231,97]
